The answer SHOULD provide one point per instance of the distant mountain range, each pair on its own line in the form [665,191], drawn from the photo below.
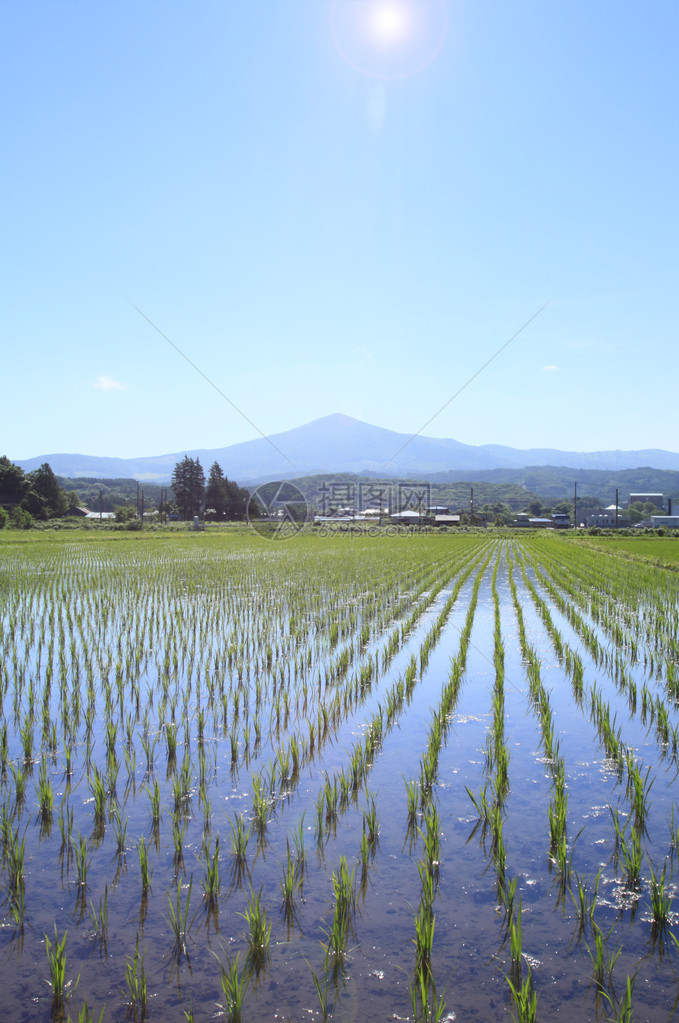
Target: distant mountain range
[338,443]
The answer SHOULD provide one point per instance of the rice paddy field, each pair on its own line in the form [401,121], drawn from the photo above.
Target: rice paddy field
[337,778]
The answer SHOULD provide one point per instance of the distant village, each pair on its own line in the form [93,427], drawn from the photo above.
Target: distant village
[654,507]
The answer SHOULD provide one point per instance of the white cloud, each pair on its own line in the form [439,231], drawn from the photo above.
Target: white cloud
[550,369]
[104,383]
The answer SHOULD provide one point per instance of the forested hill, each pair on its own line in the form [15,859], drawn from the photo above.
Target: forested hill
[355,490]
[556,483]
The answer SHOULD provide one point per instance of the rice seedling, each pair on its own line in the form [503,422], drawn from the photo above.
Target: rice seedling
[300,847]
[45,796]
[82,859]
[135,990]
[621,1008]
[524,998]
[154,798]
[178,836]
[86,1015]
[259,932]
[427,1006]
[235,983]
[602,960]
[149,746]
[20,781]
[290,883]
[425,923]
[516,945]
[98,790]
[661,900]
[99,918]
[178,918]
[211,882]
[239,837]
[56,960]
[371,824]
[14,855]
[146,870]
[171,740]
[631,854]
[321,994]
[66,827]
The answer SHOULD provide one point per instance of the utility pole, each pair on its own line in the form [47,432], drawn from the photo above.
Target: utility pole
[575,506]
[100,515]
[137,497]
[142,509]
[616,507]
[471,507]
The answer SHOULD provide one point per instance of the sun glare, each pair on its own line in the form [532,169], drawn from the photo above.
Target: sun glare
[388,21]
[388,39]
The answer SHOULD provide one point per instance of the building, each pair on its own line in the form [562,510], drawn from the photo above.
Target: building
[668,521]
[606,519]
[447,520]
[656,499]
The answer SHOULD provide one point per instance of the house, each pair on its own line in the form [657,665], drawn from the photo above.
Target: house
[561,520]
[447,520]
[410,517]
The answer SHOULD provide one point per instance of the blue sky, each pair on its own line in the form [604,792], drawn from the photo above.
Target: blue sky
[344,206]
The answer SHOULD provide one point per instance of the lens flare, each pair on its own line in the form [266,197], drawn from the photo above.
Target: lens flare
[388,39]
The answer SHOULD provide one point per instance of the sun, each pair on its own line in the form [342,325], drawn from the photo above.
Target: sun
[388,39]
[388,21]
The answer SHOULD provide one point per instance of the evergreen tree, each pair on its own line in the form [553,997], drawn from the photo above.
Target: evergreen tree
[217,495]
[188,486]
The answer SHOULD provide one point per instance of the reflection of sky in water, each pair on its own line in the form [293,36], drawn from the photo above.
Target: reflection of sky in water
[389,39]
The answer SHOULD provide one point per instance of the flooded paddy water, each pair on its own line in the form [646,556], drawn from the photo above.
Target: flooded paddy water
[348,778]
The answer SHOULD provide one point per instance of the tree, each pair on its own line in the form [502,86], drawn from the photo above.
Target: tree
[13,483]
[238,501]
[217,496]
[125,512]
[188,486]
[45,498]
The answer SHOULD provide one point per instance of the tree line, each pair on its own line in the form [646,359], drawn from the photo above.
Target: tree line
[25,496]
[218,499]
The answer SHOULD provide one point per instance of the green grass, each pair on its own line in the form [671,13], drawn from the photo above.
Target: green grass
[657,550]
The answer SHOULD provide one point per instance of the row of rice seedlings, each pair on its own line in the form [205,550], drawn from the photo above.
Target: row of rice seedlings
[335,796]
[521,987]
[616,591]
[638,787]
[628,853]
[351,780]
[441,716]
[426,1004]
